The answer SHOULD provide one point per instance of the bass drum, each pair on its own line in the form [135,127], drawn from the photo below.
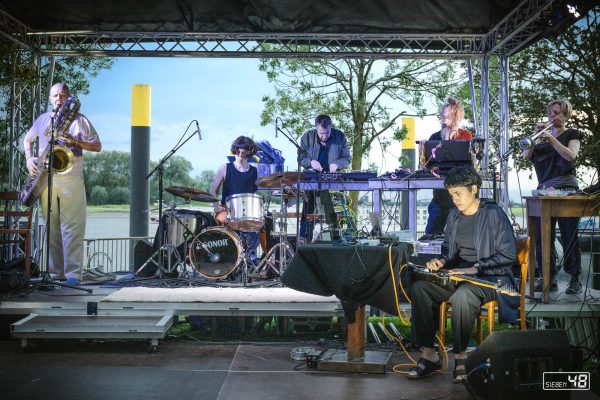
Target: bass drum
[216,252]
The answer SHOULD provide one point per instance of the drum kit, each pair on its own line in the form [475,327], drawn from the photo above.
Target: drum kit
[218,252]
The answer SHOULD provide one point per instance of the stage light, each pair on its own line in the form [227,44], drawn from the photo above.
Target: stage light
[573,10]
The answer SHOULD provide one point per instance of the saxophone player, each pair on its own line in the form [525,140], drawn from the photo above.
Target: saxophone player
[68,201]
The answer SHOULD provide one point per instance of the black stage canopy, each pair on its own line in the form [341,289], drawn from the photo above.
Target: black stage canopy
[502,26]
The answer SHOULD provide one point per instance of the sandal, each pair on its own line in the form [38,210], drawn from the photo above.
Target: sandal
[460,373]
[424,368]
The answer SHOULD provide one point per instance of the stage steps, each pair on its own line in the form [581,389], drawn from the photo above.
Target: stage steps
[36,326]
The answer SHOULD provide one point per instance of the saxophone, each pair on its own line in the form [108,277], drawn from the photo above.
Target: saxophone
[63,158]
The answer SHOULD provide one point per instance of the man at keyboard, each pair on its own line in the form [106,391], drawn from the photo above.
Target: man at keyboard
[478,241]
[325,150]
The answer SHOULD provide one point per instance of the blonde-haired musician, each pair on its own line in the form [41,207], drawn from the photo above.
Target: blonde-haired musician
[68,206]
[553,158]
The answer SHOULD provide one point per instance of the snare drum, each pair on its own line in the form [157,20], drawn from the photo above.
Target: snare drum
[216,252]
[245,212]
[182,224]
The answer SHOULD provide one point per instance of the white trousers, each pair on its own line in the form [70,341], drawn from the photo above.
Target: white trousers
[67,226]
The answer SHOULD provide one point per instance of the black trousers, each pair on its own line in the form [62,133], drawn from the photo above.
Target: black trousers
[466,300]
[569,240]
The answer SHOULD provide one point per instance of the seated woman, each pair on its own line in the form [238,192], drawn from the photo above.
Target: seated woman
[478,240]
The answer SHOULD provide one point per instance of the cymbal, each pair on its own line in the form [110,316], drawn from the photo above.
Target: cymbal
[279,179]
[191,194]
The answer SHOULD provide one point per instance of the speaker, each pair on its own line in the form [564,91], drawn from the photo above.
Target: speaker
[511,364]
[141,253]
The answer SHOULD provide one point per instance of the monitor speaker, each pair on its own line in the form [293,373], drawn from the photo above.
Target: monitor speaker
[141,253]
[511,364]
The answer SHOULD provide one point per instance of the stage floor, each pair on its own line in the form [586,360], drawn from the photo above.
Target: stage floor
[192,370]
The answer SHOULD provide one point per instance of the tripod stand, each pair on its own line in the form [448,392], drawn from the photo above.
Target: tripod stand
[270,260]
[47,282]
[167,247]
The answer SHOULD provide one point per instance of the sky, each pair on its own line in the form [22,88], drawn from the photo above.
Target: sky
[222,94]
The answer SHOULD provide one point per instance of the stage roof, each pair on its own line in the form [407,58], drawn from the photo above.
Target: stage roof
[457,27]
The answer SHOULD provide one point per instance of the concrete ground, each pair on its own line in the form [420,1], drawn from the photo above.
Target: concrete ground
[59,369]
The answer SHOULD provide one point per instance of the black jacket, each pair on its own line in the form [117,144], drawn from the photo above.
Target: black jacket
[496,251]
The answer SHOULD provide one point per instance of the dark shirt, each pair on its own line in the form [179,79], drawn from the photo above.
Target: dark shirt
[465,239]
[548,163]
[324,156]
[338,152]
[238,182]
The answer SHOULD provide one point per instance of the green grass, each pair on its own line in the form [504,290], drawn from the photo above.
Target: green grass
[108,208]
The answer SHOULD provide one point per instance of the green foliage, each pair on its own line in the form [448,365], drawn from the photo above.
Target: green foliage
[567,67]
[109,169]
[205,180]
[361,95]
[18,69]
[176,173]
[99,195]
[119,195]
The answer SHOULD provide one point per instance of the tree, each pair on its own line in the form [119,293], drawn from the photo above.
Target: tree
[176,173]
[109,169]
[364,97]
[205,180]
[99,195]
[17,67]
[565,66]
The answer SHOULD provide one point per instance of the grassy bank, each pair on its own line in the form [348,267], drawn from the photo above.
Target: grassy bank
[108,208]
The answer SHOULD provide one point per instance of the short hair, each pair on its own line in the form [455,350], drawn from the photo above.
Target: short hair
[462,176]
[64,87]
[457,111]
[323,120]
[565,107]
[244,142]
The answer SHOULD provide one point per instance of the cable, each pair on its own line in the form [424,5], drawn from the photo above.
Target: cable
[397,367]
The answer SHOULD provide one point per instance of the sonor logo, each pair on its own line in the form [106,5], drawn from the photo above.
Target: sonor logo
[216,243]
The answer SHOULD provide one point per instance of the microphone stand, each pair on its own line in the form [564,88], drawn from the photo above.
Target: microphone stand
[160,169]
[301,152]
[47,280]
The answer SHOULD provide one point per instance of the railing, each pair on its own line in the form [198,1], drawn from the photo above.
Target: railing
[110,254]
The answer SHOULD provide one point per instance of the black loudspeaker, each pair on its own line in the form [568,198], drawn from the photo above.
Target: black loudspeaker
[141,253]
[511,364]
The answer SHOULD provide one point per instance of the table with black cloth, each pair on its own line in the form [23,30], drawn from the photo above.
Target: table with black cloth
[357,275]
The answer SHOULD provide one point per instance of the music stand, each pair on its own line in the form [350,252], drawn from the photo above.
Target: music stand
[47,280]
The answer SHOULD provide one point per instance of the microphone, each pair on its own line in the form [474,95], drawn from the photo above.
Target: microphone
[215,257]
[198,130]
[276,126]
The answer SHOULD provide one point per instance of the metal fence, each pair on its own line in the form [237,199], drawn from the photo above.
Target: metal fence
[110,254]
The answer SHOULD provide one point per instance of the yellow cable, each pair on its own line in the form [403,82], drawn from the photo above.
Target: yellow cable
[397,367]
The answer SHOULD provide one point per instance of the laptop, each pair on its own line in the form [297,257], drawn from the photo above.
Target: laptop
[445,154]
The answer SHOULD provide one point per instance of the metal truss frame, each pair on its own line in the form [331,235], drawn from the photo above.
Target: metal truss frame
[517,30]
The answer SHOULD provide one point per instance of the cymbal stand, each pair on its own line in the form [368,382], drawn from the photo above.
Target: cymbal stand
[300,153]
[160,167]
[285,250]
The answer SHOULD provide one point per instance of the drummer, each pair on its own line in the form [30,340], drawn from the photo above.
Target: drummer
[237,177]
